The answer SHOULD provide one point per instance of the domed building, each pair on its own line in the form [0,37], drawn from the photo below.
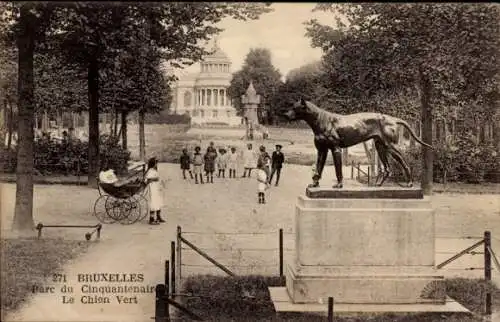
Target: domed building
[204,95]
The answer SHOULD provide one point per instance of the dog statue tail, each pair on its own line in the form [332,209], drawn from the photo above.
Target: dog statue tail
[407,126]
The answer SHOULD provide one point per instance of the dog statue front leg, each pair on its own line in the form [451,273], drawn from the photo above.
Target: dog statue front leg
[320,164]
[337,161]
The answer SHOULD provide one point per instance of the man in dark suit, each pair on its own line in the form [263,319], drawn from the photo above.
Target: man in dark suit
[277,163]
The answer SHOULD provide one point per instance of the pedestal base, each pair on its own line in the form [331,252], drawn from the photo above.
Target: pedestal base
[365,285]
[378,249]
[283,303]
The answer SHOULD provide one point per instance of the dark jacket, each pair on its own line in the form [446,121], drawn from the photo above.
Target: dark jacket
[277,160]
[185,161]
[209,159]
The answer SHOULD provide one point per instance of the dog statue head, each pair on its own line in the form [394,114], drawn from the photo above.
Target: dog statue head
[298,110]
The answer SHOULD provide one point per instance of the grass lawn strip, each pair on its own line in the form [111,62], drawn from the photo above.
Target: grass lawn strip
[246,298]
[26,262]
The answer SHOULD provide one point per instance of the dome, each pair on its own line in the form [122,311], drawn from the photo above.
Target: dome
[217,55]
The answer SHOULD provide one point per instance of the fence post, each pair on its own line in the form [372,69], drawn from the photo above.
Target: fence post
[358,171]
[330,309]
[172,260]
[167,276]
[352,169]
[281,251]
[368,175]
[159,303]
[179,259]
[488,310]
[167,287]
[487,255]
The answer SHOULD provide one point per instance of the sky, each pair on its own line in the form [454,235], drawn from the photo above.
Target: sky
[281,31]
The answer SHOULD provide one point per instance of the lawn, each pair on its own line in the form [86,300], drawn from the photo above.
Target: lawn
[246,298]
[29,262]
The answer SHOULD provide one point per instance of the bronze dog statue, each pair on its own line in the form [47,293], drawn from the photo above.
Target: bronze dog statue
[334,131]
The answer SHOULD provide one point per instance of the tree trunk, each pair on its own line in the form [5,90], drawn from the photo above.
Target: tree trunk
[11,125]
[23,213]
[93,84]
[427,154]
[142,137]
[124,130]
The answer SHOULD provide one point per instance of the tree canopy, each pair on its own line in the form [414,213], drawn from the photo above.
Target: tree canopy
[385,49]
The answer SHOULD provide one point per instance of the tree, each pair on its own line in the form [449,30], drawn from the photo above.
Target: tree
[59,86]
[135,82]
[301,82]
[259,69]
[442,54]
[29,28]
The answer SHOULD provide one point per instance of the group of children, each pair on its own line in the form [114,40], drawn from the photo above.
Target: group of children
[208,163]
[211,160]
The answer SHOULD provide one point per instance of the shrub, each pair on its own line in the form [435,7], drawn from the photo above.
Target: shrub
[113,155]
[55,157]
[8,160]
[459,159]
[165,118]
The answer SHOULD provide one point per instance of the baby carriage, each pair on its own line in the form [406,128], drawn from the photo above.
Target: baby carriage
[125,204]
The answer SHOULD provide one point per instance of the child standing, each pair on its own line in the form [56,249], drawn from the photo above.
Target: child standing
[209,159]
[155,193]
[186,164]
[222,163]
[262,180]
[249,160]
[232,162]
[197,165]
[277,163]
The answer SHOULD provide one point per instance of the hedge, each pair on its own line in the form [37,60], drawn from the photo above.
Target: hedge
[69,158]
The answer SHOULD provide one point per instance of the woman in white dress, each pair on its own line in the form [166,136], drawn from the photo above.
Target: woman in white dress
[155,193]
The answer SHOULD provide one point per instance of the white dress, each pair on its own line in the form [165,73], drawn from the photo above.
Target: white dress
[233,160]
[108,177]
[249,159]
[155,196]
[262,176]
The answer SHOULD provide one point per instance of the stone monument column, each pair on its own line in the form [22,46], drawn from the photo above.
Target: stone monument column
[251,103]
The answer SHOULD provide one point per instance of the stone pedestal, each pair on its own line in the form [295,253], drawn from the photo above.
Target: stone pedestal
[364,245]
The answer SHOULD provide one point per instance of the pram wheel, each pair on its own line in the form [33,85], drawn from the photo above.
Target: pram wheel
[118,209]
[101,211]
[135,210]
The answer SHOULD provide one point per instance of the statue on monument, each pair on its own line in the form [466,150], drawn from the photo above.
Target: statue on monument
[335,131]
